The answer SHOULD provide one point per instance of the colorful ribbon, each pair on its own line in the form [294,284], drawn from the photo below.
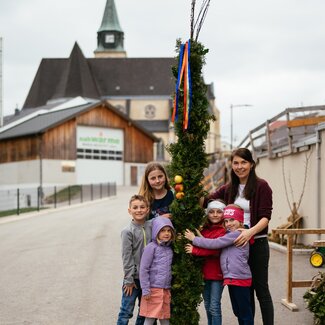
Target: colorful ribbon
[184,73]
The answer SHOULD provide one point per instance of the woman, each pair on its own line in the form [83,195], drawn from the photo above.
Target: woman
[254,195]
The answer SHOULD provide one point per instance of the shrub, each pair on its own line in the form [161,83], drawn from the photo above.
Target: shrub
[315,298]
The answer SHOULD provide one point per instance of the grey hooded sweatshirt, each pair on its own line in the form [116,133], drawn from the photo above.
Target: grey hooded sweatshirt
[134,238]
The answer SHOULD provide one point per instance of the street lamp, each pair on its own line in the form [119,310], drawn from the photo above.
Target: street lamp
[231,121]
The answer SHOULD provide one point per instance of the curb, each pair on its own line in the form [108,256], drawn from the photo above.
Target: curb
[295,251]
[29,215]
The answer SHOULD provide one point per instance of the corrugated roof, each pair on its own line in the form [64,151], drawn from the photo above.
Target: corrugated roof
[45,120]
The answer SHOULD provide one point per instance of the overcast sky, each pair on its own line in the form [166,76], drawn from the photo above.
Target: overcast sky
[265,53]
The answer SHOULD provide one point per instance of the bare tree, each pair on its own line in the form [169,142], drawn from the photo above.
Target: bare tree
[291,204]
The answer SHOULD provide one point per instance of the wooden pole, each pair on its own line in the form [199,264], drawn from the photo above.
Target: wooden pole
[290,283]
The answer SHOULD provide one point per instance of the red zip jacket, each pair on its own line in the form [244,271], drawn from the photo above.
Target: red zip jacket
[211,267]
[260,204]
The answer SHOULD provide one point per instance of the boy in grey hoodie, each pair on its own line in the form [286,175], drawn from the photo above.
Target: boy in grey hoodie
[134,238]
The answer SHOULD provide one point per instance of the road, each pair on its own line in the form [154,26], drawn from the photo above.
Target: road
[64,267]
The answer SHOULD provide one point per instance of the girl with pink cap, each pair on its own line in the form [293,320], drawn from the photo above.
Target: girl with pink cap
[234,262]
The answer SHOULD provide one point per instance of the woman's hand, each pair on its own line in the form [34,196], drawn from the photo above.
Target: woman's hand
[189,235]
[188,248]
[243,238]
[166,215]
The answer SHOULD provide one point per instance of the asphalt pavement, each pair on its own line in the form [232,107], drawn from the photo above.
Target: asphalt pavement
[63,266]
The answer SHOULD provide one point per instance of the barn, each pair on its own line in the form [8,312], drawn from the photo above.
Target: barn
[79,141]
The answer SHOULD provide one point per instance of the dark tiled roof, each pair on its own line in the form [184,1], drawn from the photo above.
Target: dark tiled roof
[99,78]
[102,78]
[62,78]
[155,125]
[133,76]
[76,79]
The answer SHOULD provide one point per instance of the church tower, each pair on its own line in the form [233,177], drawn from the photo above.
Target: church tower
[110,36]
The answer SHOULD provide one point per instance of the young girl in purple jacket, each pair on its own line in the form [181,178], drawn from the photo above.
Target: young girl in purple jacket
[155,273]
[234,262]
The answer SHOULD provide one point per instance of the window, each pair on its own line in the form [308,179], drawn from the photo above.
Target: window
[150,111]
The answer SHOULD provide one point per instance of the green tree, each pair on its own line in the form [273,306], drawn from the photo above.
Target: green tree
[189,161]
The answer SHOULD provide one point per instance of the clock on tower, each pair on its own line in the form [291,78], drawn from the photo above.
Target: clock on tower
[109,38]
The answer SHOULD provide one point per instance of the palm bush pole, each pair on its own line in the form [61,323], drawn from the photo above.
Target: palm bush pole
[188,161]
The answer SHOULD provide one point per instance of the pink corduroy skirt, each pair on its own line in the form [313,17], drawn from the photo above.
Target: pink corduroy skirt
[158,305]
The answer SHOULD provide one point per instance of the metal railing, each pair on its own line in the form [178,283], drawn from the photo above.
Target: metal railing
[285,132]
[25,199]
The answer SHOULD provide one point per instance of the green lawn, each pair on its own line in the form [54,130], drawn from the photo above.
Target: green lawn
[14,211]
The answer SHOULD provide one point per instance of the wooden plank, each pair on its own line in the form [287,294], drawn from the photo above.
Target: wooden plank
[319,243]
[298,283]
[290,305]
[299,231]
[289,274]
[301,283]
[306,121]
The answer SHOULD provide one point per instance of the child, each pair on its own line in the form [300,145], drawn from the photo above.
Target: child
[155,273]
[213,279]
[134,238]
[155,188]
[234,263]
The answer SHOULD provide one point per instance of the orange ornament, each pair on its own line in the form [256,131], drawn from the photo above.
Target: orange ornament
[179,195]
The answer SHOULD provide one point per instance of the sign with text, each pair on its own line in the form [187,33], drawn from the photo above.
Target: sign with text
[95,138]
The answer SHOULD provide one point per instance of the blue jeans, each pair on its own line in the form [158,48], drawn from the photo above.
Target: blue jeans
[212,301]
[259,255]
[127,306]
[241,304]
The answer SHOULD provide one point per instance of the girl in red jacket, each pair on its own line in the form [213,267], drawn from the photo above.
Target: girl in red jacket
[213,279]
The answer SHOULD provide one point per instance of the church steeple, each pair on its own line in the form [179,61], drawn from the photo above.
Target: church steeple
[110,36]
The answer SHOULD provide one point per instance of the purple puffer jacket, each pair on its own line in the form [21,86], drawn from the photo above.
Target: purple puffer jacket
[233,260]
[156,260]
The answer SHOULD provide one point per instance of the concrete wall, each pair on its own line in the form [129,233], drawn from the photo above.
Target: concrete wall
[29,172]
[24,172]
[289,172]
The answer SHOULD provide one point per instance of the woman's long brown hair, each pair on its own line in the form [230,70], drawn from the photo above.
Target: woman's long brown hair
[250,186]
